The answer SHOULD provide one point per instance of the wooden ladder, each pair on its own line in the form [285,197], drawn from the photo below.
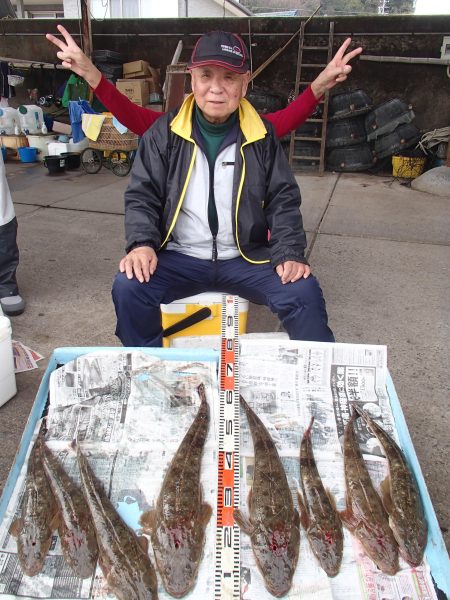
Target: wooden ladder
[305,49]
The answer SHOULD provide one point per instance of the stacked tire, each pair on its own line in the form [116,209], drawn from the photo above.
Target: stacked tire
[347,147]
[390,128]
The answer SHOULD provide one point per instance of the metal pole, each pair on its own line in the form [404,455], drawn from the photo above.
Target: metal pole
[86,28]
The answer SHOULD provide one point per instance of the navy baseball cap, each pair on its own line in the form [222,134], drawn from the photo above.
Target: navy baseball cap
[223,49]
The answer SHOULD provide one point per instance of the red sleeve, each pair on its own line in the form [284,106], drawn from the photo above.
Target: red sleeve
[137,118]
[295,113]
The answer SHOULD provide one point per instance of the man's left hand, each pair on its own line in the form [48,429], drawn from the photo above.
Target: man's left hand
[291,271]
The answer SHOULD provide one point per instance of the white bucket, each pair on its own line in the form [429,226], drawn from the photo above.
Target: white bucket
[31,118]
[7,376]
[8,120]
[41,142]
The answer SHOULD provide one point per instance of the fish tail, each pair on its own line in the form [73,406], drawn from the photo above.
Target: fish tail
[308,430]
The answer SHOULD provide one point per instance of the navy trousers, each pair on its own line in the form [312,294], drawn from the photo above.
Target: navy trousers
[300,306]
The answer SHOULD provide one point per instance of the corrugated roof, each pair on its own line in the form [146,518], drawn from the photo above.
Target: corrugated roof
[7,9]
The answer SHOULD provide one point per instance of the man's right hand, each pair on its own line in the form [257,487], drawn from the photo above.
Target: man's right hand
[72,57]
[140,262]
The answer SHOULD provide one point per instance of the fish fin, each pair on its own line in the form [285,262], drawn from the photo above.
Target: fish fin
[331,498]
[143,543]
[386,495]
[304,516]
[348,519]
[244,522]
[15,527]
[147,520]
[205,513]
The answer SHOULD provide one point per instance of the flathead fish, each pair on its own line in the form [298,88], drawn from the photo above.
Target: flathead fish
[364,515]
[273,522]
[401,498]
[34,527]
[318,512]
[177,524]
[123,557]
[76,532]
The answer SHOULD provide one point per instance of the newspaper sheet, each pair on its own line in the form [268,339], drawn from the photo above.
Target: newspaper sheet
[287,382]
[129,412]
[25,359]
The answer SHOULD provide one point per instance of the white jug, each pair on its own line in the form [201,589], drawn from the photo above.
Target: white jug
[31,118]
[8,120]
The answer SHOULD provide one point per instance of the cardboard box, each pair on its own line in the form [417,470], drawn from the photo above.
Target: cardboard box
[136,90]
[136,69]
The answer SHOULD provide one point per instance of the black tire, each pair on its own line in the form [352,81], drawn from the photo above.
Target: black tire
[91,160]
[119,162]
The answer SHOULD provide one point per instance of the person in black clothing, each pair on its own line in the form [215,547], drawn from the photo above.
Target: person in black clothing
[209,182]
[10,301]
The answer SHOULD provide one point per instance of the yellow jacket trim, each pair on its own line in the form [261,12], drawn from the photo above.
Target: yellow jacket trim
[183,127]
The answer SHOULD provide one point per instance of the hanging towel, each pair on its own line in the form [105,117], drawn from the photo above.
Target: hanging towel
[76,89]
[91,125]
[6,90]
[76,110]
[118,125]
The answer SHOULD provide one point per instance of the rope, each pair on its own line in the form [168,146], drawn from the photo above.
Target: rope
[434,138]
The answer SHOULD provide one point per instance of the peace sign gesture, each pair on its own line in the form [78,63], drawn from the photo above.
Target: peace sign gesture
[72,57]
[336,71]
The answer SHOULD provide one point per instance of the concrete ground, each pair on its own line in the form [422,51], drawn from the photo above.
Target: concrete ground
[380,250]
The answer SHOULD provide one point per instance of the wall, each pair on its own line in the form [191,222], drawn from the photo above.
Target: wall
[426,87]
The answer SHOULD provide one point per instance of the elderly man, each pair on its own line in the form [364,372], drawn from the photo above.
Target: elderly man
[11,302]
[209,182]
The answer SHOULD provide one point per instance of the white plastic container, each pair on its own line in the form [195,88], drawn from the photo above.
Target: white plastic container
[78,146]
[57,148]
[8,120]
[41,142]
[31,118]
[7,376]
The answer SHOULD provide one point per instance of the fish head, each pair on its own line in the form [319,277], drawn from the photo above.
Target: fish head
[32,548]
[411,535]
[79,549]
[178,550]
[327,543]
[382,548]
[276,551]
[127,585]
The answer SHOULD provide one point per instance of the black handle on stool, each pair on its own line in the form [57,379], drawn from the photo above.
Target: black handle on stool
[199,315]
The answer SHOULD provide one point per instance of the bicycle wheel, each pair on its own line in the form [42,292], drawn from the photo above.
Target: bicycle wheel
[91,160]
[120,163]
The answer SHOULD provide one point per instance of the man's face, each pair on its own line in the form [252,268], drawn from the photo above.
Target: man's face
[218,91]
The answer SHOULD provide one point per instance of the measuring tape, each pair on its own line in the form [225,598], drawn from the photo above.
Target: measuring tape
[227,564]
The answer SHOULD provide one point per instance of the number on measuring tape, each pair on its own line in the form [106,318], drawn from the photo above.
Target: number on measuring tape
[227,567]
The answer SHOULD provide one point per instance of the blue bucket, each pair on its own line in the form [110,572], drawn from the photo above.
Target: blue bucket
[27,155]
[4,153]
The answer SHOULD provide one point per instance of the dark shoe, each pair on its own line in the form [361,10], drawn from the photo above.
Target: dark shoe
[12,305]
